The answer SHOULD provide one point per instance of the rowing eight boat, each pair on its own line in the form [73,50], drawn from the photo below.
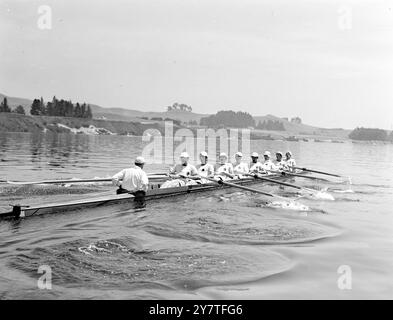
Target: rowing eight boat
[154,193]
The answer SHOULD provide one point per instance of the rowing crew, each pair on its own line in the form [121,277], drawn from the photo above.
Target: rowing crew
[135,180]
[224,169]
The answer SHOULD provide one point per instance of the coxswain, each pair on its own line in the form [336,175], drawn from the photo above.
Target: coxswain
[223,168]
[290,162]
[132,180]
[240,167]
[204,169]
[255,165]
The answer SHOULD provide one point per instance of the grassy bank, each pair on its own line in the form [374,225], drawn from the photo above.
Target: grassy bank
[12,122]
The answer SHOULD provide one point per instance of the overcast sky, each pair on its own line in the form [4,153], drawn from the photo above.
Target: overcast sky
[329,62]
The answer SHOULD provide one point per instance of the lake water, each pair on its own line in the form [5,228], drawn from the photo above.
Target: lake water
[228,244]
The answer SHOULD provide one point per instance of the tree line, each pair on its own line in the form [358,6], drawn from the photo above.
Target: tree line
[271,125]
[60,108]
[4,107]
[229,119]
[370,134]
[179,106]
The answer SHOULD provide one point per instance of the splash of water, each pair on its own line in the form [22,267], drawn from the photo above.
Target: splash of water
[102,246]
[319,194]
[322,195]
[289,205]
[342,191]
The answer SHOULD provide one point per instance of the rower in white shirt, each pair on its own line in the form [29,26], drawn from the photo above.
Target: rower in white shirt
[180,173]
[132,180]
[268,164]
[290,162]
[240,167]
[280,164]
[255,165]
[205,169]
[223,168]
[184,169]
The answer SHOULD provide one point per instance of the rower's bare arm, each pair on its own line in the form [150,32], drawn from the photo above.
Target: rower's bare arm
[194,172]
[228,174]
[117,177]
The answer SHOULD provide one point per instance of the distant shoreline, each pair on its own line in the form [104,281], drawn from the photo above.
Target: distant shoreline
[12,122]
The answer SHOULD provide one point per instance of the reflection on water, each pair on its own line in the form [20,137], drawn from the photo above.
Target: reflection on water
[222,244]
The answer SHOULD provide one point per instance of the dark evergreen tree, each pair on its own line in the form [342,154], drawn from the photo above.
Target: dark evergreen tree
[89,113]
[49,110]
[4,106]
[78,111]
[83,110]
[61,108]
[42,107]
[35,108]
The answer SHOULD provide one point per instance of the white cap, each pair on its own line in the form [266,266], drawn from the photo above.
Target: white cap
[239,154]
[203,153]
[223,154]
[289,152]
[279,152]
[267,153]
[140,160]
[184,155]
[255,155]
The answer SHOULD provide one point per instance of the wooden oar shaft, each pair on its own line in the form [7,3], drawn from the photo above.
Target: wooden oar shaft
[285,173]
[154,176]
[59,181]
[284,183]
[234,185]
[320,172]
[274,181]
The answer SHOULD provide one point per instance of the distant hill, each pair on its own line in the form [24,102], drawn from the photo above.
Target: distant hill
[133,115]
[14,102]
[302,129]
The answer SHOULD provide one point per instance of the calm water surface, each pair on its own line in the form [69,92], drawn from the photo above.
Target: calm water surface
[223,245]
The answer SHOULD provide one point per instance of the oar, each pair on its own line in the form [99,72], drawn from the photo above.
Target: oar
[320,172]
[256,176]
[152,176]
[59,181]
[234,185]
[286,173]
